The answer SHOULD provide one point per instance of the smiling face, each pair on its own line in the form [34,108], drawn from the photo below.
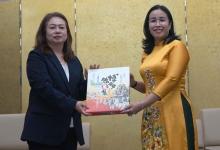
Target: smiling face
[56,31]
[159,25]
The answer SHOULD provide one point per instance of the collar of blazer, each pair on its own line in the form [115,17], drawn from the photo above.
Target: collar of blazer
[52,57]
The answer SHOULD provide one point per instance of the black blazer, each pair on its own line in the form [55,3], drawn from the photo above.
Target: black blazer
[52,99]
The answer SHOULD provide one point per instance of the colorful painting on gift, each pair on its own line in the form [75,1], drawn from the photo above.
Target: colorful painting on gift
[108,90]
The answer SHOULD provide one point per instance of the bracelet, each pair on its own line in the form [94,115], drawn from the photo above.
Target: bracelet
[135,84]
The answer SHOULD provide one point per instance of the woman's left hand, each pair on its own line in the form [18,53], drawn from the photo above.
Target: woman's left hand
[133,108]
[94,66]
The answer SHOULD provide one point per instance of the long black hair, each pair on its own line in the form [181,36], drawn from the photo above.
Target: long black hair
[148,41]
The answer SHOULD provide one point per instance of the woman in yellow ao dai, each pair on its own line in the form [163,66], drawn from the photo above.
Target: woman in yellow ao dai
[167,122]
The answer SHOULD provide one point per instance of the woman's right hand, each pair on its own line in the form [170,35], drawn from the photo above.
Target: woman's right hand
[81,108]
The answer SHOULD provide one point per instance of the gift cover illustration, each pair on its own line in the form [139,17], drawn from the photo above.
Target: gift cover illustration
[107,90]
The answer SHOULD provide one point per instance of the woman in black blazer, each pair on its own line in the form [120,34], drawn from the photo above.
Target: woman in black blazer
[55,74]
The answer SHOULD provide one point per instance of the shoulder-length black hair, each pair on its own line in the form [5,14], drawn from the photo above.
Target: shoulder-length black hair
[41,41]
[148,41]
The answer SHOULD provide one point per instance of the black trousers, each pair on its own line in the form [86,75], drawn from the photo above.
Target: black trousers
[70,143]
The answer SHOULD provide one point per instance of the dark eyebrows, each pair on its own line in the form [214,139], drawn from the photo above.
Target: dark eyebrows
[162,18]
[56,25]
[158,18]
